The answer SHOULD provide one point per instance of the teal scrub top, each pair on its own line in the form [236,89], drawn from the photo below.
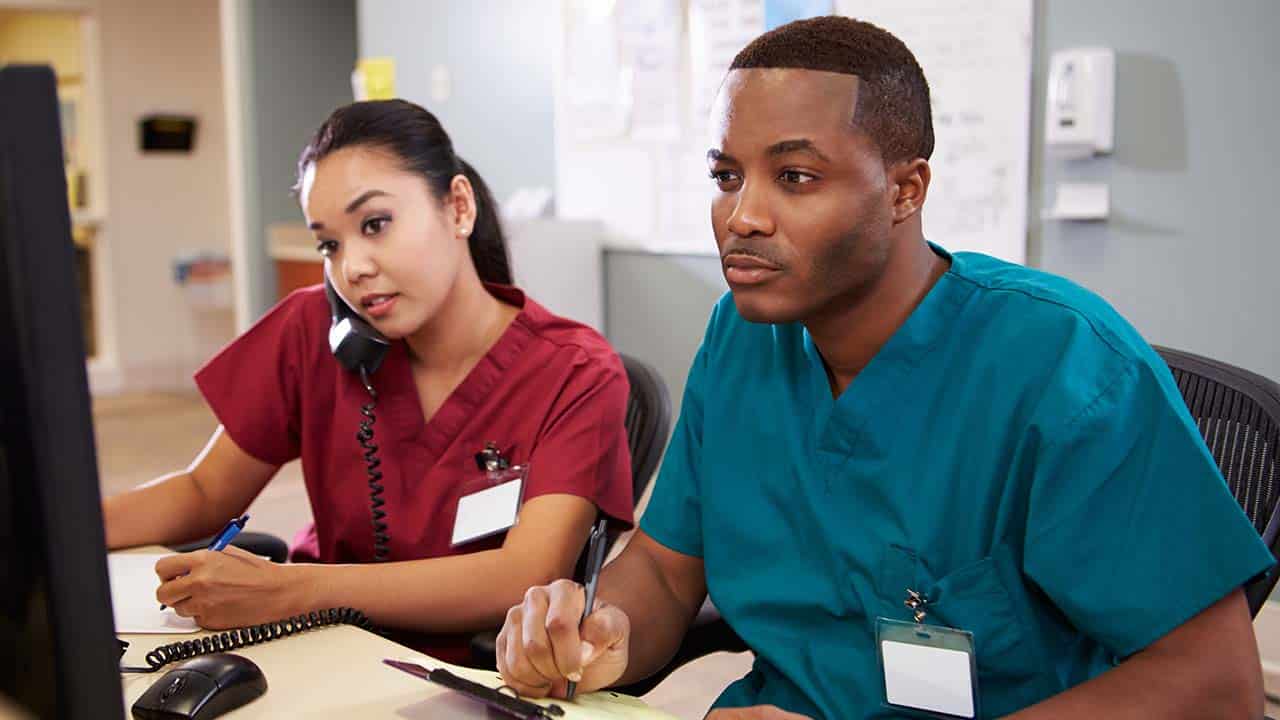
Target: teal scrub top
[1016,452]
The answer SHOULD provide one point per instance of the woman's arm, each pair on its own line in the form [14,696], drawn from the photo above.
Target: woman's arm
[450,594]
[465,592]
[184,506]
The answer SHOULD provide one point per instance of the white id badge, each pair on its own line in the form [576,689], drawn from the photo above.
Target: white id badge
[493,508]
[928,669]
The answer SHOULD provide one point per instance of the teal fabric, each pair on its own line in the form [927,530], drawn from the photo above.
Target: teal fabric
[1015,451]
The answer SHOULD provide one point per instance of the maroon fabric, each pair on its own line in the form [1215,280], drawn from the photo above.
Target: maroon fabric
[551,393]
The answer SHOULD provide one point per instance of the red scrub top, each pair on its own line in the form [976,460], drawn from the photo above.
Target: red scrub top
[551,393]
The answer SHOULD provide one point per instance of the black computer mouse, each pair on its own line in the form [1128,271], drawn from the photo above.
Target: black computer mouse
[202,688]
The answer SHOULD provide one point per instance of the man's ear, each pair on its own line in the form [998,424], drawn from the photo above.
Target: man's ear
[911,177]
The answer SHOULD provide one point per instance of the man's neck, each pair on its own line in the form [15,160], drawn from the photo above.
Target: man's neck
[850,333]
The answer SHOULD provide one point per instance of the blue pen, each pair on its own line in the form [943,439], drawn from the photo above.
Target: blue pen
[224,538]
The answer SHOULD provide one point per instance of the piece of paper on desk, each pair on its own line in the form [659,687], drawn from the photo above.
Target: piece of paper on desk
[133,597]
[601,705]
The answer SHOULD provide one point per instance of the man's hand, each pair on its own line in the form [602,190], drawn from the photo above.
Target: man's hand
[758,712]
[541,647]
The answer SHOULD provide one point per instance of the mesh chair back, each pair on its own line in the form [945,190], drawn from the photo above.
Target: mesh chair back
[1238,413]
[648,422]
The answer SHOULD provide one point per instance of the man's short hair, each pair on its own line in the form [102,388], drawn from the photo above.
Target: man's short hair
[893,96]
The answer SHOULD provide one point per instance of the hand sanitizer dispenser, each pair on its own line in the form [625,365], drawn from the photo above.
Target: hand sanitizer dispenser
[1080,119]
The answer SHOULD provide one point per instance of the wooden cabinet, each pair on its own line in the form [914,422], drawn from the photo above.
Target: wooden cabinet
[293,250]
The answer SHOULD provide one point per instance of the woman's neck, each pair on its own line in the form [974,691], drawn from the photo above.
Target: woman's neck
[469,322]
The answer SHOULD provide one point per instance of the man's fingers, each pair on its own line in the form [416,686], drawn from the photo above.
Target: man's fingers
[564,615]
[536,645]
[515,667]
[606,628]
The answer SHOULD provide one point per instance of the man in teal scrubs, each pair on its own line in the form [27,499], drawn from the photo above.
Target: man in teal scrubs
[871,419]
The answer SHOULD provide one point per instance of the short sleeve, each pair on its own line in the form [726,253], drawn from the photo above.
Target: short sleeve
[583,450]
[253,384]
[673,516]
[1132,530]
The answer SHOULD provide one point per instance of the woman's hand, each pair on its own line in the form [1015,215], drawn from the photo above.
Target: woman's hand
[231,588]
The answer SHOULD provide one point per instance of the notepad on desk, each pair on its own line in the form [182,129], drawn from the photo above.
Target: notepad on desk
[601,705]
[133,597]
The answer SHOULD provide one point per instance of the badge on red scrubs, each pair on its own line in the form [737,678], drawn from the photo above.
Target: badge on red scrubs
[490,503]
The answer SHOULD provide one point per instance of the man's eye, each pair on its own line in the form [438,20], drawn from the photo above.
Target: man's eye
[796,177]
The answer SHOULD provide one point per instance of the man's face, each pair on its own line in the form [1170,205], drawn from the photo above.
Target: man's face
[804,206]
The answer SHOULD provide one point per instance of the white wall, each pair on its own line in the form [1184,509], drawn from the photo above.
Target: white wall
[160,56]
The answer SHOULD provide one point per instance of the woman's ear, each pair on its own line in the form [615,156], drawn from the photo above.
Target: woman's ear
[461,205]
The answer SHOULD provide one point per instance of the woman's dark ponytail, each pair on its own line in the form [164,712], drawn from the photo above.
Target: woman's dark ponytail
[488,243]
[415,136]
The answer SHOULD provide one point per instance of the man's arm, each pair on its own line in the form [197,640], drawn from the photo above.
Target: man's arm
[1207,667]
[647,597]
[661,606]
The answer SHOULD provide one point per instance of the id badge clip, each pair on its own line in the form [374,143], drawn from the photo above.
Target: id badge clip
[490,503]
[929,671]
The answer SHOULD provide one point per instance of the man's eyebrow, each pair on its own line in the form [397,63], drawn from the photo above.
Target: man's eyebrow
[716,156]
[802,145]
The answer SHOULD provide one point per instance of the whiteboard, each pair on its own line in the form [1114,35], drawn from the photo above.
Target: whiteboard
[632,87]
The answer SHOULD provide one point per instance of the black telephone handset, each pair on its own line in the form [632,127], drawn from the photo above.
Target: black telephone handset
[354,342]
[360,348]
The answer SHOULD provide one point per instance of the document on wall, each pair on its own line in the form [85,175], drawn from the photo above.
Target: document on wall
[976,56]
[718,29]
[596,88]
[650,33]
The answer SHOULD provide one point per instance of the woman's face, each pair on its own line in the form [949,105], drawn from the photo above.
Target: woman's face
[391,248]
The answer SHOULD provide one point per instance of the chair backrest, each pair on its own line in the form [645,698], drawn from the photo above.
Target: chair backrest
[1238,413]
[648,422]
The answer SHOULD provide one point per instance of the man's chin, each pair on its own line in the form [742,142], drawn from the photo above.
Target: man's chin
[758,307]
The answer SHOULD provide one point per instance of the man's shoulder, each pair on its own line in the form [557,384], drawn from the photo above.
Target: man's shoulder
[1040,309]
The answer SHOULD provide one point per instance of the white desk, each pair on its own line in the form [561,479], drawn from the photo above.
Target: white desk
[331,672]
[337,672]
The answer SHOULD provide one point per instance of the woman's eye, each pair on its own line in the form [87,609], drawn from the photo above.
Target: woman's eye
[327,247]
[373,226]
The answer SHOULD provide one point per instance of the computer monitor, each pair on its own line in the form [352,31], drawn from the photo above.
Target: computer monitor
[58,655]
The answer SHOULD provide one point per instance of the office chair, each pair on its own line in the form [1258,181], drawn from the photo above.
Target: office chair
[261,544]
[1238,412]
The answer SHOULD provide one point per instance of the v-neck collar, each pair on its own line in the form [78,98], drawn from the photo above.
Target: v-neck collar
[403,403]
[838,420]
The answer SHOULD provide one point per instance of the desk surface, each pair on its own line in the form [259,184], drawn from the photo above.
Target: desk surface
[333,672]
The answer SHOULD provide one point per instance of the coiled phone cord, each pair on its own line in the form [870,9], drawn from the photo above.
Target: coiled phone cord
[253,635]
[364,436]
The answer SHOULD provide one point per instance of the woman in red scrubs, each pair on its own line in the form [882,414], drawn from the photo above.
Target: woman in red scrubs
[411,241]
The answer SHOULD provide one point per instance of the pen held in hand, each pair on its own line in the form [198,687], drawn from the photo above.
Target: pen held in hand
[595,560]
[224,538]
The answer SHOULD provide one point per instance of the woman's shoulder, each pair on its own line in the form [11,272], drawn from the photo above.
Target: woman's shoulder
[571,341]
